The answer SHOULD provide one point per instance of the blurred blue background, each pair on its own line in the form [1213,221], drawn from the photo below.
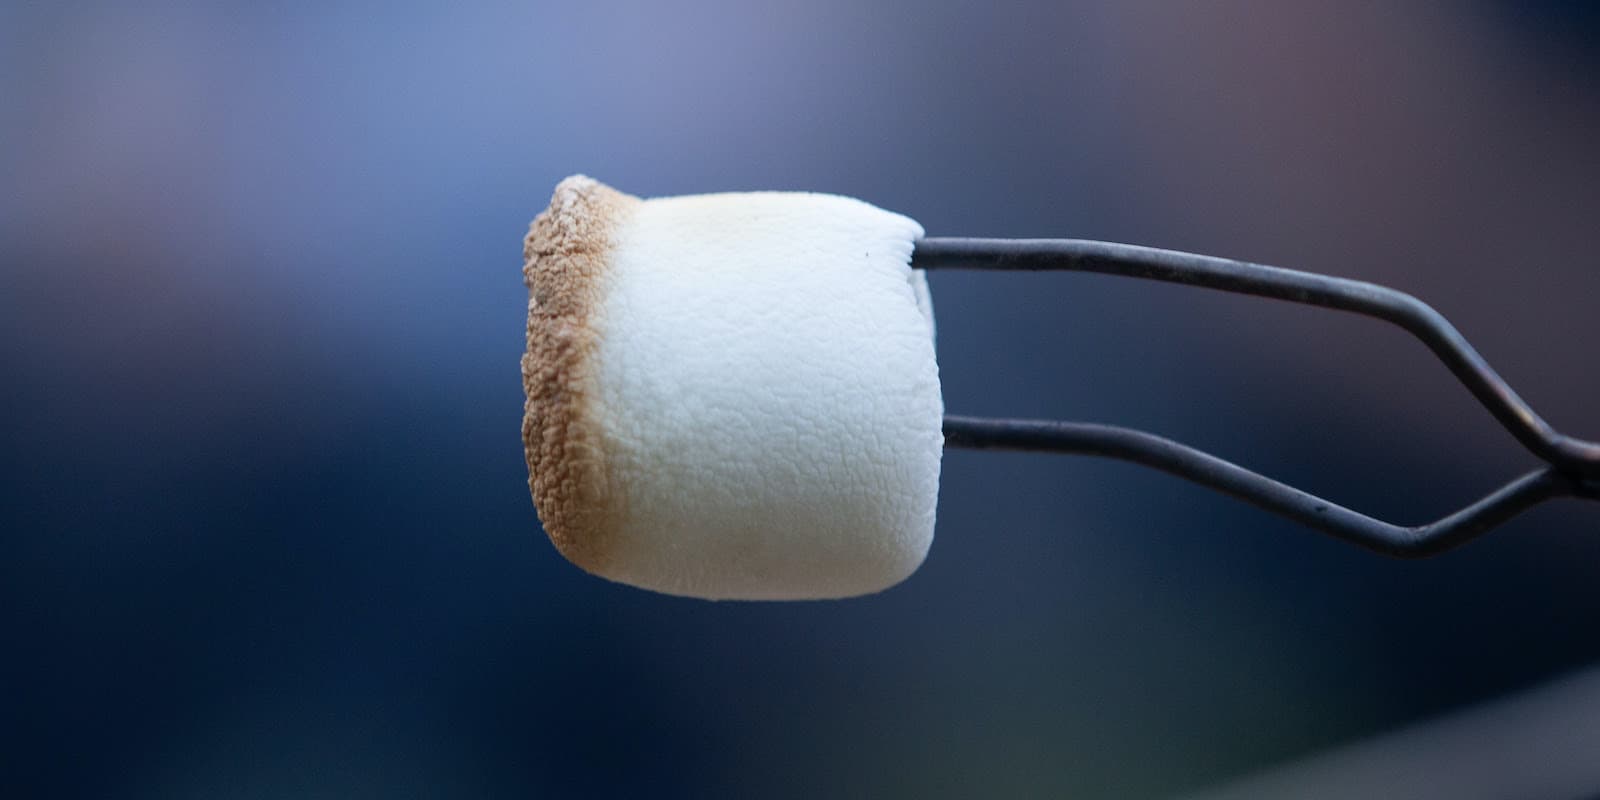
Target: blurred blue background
[265,516]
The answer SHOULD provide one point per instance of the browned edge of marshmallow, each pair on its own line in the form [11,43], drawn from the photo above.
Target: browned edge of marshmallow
[567,257]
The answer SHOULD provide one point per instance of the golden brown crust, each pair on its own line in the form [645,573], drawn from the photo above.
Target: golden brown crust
[567,256]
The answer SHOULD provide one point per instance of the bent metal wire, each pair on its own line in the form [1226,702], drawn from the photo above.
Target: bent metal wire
[1572,465]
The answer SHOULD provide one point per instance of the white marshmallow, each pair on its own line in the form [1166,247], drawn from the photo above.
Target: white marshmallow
[731,396]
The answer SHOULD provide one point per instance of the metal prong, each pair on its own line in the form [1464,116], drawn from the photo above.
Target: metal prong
[1574,464]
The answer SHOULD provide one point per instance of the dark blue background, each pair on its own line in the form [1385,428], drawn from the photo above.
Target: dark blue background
[265,518]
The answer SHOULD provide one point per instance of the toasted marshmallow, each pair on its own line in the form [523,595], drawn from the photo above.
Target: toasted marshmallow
[731,396]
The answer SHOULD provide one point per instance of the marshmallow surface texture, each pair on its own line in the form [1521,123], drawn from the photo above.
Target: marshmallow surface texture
[731,396]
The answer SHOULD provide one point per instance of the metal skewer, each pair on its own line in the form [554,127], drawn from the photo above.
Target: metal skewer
[1572,465]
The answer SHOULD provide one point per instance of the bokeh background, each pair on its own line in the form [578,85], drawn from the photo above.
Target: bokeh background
[264,512]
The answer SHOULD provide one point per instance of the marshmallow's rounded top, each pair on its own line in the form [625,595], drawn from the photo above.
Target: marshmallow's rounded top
[731,396]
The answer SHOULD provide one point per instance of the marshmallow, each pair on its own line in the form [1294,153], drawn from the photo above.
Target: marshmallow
[731,396]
